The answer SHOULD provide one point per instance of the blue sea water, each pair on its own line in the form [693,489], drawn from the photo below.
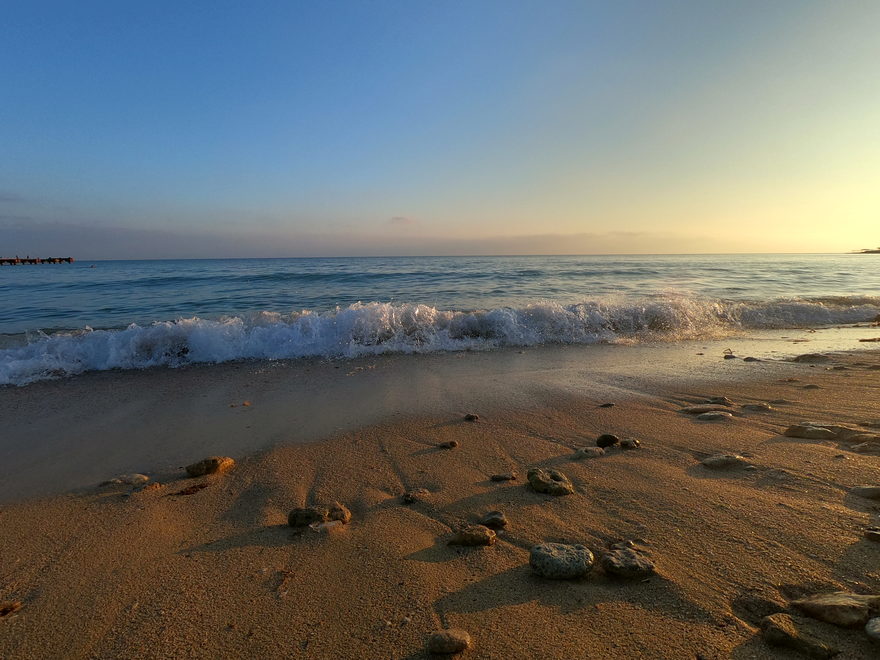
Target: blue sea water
[63,319]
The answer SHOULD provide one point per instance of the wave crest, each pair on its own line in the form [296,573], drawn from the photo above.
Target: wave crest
[373,328]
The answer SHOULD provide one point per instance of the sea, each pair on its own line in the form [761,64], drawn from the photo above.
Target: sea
[58,320]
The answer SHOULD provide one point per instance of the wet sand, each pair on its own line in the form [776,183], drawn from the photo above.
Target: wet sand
[124,572]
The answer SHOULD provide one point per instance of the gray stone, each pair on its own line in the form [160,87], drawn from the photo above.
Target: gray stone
[494,520]
[559,561]
[588,452]
[714,416]
[809,432]
[626,560]
[607,440]
[868,492]
[840,608]
[630,443]
[872,629]
[447,642]
[210,465]
[724,462]
[549,481]
[795,633]
[308,515]
[473,535]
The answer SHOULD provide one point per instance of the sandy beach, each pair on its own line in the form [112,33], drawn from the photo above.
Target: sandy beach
[164,570]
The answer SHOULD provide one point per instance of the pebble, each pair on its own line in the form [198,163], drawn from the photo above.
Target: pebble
[339,512]
[872,629]
[549,481]
[757,407]
[630,443]
[414,495]
[607,440]
[450,444]
[471,417]
[494,520]
[751,359]
[626,560]
[873,534]
[127,479]
[729,356]
[606,405]
[869,492]
[724,461]
[307,515]
[473,535]
[841,608]
[714,416]
[588,452]
[795,633]
[210,465]
[504,476]
[449,641]
[719,401]
[559,561]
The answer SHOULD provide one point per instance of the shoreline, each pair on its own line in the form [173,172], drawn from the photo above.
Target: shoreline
[121,571]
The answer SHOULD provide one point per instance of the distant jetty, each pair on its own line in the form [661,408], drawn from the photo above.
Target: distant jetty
[18,261]
[868,251]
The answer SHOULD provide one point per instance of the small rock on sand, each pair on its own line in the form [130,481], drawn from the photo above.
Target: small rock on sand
[795,633]
[127,480]
[414,495]
[339,512]
[308,515]
[473,535]
[559,561]
[447,642]
[811,357]
[868,492]
[588,452]
[494,520]
[9,607]
[757,407]
[471,417]
[504,476]
[751,359]
[210,465]
[714,416]
[872,629]
[809,432]
[607,440]
[449,444]
[606,405]
[719,401]
[630,443]
[724,462]
[626,560]
[549,481]
[841,608]
[729,356]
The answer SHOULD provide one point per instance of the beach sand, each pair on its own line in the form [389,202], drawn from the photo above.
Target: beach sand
[131,572]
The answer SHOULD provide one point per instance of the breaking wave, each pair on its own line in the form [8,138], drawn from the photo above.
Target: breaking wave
[373,328]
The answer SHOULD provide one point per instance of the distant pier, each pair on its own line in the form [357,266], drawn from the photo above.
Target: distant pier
[18,261]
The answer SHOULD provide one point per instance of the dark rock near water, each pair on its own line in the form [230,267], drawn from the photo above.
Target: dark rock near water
[795,633]
[607,440]
[559,561]
[549,481]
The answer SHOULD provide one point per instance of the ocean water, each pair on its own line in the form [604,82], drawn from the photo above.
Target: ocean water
[60,320]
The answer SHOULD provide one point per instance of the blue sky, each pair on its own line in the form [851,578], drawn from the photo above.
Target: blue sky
[156,129]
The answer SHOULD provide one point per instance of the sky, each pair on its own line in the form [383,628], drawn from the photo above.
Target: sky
[268,129]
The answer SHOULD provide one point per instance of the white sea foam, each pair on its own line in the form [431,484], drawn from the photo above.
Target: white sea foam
[372,328]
